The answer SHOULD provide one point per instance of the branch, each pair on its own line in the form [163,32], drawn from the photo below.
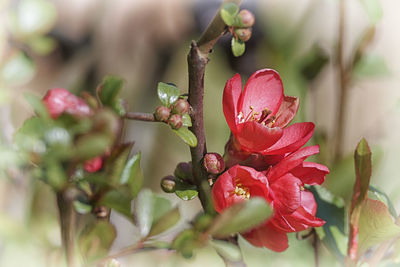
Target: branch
[139,116]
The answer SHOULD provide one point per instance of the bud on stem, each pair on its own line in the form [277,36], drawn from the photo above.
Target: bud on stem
[246,17]
[175,121]
[162,114]
[213,163]
[168,184]
[181,106]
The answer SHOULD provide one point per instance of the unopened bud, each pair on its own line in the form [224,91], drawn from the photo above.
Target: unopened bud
[94,164]
[162,113]
[181,106]
[213,163]
[243,34]
[175,121]
[183,171]
[246,17]
[168,184]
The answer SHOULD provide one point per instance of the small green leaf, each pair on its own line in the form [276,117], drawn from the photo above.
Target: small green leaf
[167,93]
[92,145]
[186,120]
[371,65]
[17,70]
[116,162]
[132,175]
[227,250]
[119,201]
[187,136]
[240,217]
[186,194]
[373,9]
[228,13]
[82,208]
[42,45]
[55,175]
[165,222]
[238,47]
[109,90]
[37,105]
[144,204]
[382,196]
[96,240]
[185,242]
[161,206]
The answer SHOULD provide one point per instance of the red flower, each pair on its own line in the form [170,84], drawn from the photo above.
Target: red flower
[60,100]
[258,116]
[282,186]
[94,164]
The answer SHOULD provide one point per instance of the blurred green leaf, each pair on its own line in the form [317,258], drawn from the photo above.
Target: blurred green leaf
[115,163]
[108,93]
[373,9]
[37,105]
[185,242]
[238,47]
[312,64]
[371,65]
[55,175]
[161,206]
[144,204]
[186,120]
[187,136]
[227,250]
[376,225]
[119,201]
[92,145]
[228,13]
[17,70]
[132,175]
[165,222]
[82,208]
[42,45]
[167,93]
[382,196]
[240,217]
[96,240]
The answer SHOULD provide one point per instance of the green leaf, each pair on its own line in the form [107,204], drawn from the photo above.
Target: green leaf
[132,175]
[227,250]
[144,204]
[109,90]
[382,196]
[18,70]
[376,225]
[185,242]
[116,162]
[92,145]
[37,105]
[240,217]
[82,208]
[97,239]
[228,13]
[186,194]
[165,222]
[373,9]
[371,65]
[167,93]
[119,201]
[55,175]
[161,206]
[238,47]
[187,136]
[186,120]
[42,45]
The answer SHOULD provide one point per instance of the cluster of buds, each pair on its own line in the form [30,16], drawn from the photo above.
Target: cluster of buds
[243,29]
[182,178]
[173,115]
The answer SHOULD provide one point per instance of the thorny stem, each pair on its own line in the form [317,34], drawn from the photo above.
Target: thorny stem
[139,116]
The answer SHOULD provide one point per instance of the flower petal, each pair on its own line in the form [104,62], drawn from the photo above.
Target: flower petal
[264,89]
[287,111]
[232,91]
[287,194]
[310,173]
[290,162]
[255,137]
[267,236]
[294,137]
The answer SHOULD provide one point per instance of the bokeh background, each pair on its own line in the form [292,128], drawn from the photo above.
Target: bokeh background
[72,44]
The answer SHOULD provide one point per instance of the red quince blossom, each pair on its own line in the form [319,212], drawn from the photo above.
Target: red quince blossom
[94,164]
[59,100]
[258,115]
[283,187]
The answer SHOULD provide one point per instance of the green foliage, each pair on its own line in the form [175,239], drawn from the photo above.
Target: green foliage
[17,70]
[187,136]
[185,242]
[383,197]
[371,65]
[165,222]
[184,190]
[108,93]
[167,93]
[229,12]
[186,120]
[227,250]
[118,200]
[81,207]
[132,175]
[238,47]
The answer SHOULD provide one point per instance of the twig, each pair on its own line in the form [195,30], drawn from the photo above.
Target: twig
[139,116]
[315,245]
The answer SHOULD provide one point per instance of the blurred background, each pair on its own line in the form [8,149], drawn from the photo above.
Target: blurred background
[73,44]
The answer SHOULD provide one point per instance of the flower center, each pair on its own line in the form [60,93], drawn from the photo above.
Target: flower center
[241,191]
[256,116]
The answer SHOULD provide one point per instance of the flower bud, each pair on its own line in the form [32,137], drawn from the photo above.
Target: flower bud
[168,184]
[183,171]
[162,113]
[243,34]
[214,163]
[246,17]
[94,164]
[59,100]
[181,106]
[175,121]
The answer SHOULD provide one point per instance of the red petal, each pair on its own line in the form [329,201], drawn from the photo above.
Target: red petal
[290,162]
[294,137]
[287,111]
[256,137]
[222,188]
[287,194]
[308,202]
[303,217]
[267,236]
[311,173]
[232,91]
[94,164]
[263,89]
[55,101]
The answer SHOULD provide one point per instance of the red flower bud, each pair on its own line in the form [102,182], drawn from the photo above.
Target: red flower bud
[214,163]
[162,113]
[94,164]
[168,184]
[247,18]
[243,34]
[181,106]
[175,121]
